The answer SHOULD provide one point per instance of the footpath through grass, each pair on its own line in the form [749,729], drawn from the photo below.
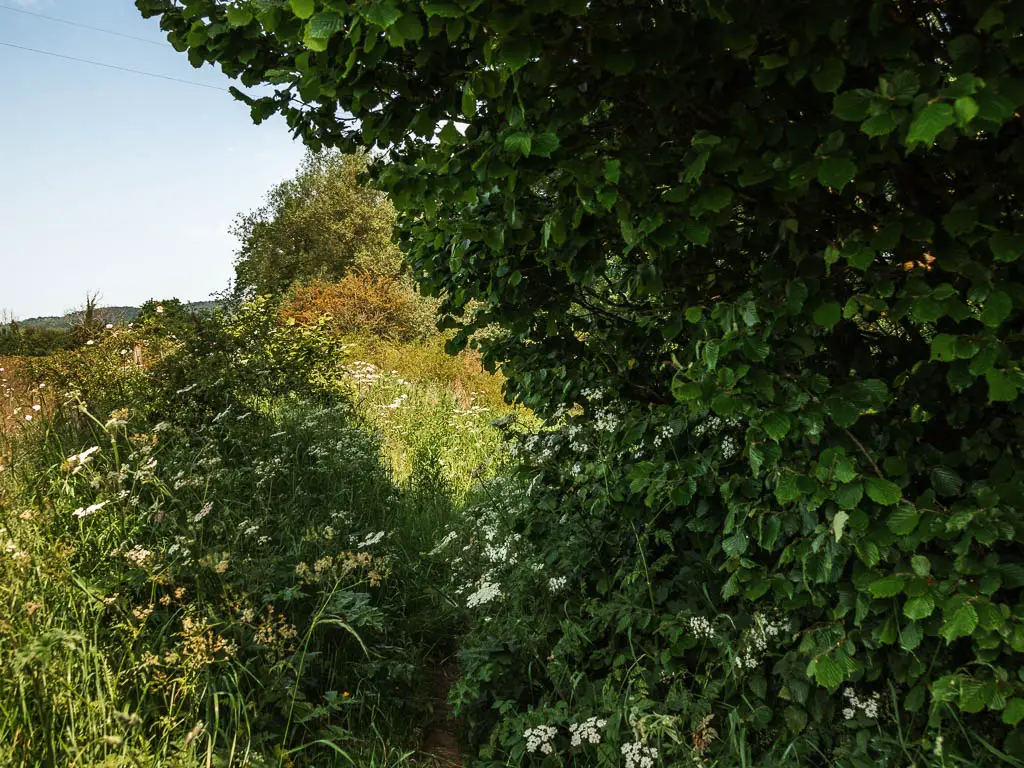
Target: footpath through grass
[228,555]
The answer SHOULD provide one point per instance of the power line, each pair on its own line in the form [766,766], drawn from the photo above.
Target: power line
[83,26]
[112,66]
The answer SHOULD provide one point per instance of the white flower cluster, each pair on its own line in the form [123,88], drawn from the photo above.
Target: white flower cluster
[78,460]
[539,739]
[869,706]
[701,627]
[589,731]
[373,538]
[138,555]
[90,510]
[593,394]
[557,583]
[486,591]
[202,513]
[758,637]
[249,528]
[606,421]
[639,756]
[663,434]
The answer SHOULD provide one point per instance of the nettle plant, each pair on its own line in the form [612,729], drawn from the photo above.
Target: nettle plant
[781,236]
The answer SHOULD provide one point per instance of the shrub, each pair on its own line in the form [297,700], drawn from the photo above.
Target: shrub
[364,304]
[772,252]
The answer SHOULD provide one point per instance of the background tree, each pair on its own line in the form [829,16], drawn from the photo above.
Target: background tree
[772,250]
[316,226]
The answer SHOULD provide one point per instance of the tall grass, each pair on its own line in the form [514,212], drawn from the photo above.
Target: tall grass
[208,573]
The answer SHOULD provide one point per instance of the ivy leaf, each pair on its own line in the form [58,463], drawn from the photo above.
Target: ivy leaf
[887,586]
[836,172]
[303,8]
[881,491]
[828,314]
[919,607]
[929,123]
[961,623]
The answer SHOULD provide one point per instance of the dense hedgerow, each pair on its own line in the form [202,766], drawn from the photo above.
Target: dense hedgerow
[770,253]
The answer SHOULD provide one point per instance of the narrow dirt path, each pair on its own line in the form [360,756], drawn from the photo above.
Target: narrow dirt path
[440,740]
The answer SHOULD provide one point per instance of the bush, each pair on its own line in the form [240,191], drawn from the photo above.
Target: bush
[772,253]
[364,304]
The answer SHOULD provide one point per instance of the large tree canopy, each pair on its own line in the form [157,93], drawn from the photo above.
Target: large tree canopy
[783,239]
[320,224]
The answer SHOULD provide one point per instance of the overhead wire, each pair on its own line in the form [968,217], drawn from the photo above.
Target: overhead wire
[81,25]
[112,66]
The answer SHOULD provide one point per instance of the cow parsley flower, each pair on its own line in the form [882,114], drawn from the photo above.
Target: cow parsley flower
[589,731]
[539,739]
[638,755]
[486,591]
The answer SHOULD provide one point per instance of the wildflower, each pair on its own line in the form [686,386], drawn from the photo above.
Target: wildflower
[486,592]
[373,538]
[28,417]
[557,583]
[138,555]
[202,512]
[539,739]
[90,510]
[89,343]
[142,613]
[222,566]
[160,311]
[869,706]
[701,627]
[589,731]
[109,326]
[36,407]
[638,755]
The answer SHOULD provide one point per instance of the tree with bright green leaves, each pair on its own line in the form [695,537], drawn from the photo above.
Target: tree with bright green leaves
[318,225]
[773,250]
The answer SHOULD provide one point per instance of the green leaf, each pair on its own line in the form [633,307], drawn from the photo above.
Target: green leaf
[944,348]
[887,586]
[828,314]
[1000,388]
[735,545]
[303,8]
[849,496]
[1006,246]
[519,143]
[881,491]
[879,125]
[911,636]
[776,425]
[383,14]
[919,607]
[446,10]
[945,481]
[929,123]
[827,672]
[851,106]
[323,25]
[961,623]
[1013,712]
[839,523]
[836,172]
[796,718]
[515,52]
[903,520]
[468,101]
[996,309]
[920,565]
[238,17]
[409,26]
[544,144]
[966,109]
[830,76]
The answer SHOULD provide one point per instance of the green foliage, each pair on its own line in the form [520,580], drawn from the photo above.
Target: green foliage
[751,210]
[205,559]
[317,226]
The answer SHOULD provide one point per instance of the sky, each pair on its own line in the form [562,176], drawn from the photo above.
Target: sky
[115,182]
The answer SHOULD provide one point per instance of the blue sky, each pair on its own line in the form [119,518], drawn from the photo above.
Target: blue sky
[116,182]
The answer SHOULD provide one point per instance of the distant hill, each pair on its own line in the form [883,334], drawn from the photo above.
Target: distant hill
[116,315]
